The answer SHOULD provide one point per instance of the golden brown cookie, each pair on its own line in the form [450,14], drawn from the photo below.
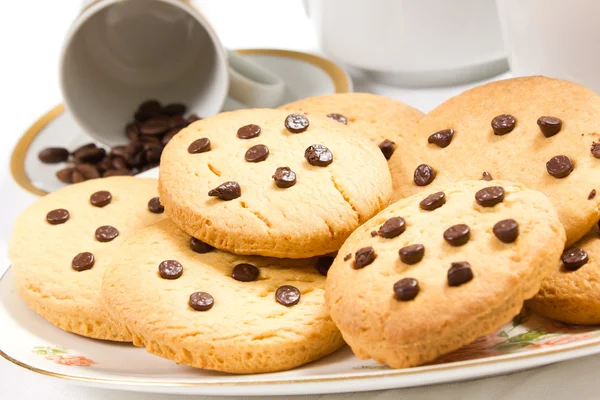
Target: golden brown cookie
[571,293]
[435,271]
[61,245]
[188,302]
[271,183]
[388,123]
[539,131]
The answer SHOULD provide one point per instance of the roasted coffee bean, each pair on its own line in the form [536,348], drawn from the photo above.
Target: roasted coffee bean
[549,126]
[147,110]
[91,156]
[338,118]
[116,172]
[53,155]
[199,146]
[287,295]
[296,123]
[433,201]
[153,153]
[424,175]
[170,269]
[120,151]
[192,118]
[490,196]
[459,273]
[406,289]
[393,227]
[245,273]
[257,153]
[559,166]
[148,166]
[155,206]
[174,109]
[227,191]
[284,177]
[573,259]
[387,148]
[506,230]
[104,164]
[201,301]
[169,135]
[503,124]
[77,176]
[412,254]
[84,147]
[442,138]
[83,261]
[88,171]
[318,155]
[155,126]
[132,130]
[177,122]
[118,162]
[249,131]
[457,235]
[364,257]
[101,198]
[324,263]
[58,216]
[65,175]
[199,246]
[149,142]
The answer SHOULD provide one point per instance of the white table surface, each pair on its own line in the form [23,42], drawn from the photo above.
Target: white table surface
[31,33]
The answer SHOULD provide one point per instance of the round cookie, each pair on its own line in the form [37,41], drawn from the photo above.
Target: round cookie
[535,130]
[385,121]
[271,183]
[53,239]
[435,271]
[570,292]
[218,311]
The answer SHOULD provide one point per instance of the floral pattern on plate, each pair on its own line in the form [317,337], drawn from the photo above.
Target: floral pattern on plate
[59,355]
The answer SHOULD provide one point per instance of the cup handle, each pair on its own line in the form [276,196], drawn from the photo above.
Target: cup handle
[253,85]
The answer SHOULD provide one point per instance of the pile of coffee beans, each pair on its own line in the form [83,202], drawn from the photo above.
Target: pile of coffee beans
[153,127]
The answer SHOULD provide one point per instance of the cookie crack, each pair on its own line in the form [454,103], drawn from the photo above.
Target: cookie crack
[346,199]
[213,169]
[257,214]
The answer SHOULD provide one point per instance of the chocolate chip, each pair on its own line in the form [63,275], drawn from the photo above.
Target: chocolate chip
[58,216]
[155,206]
[503,124]
[347,257]
[506,230]
[199,146]
[201,301]
[248,131]
[364,257]
[174,109]
[324,263]
[101,198]
[459,273]
[559,166]
[338,118]
[457,235]
[88,171]
[573,259]
[373,233]
[65,175]
[387,148]
[592,194]
[424,175]
[199,246]
[441,138]
[170,269]
[296,123]
[83,261]
[406,289]
[490,196]
[487,176]
[245,273]
[155,126]
[106,233]
[392,227]
[318,155]
[227,191]
[287,295]
[257,153]
[433,201]
[549,126]
[53,155]
[284,177]
[412,254]
[595,149]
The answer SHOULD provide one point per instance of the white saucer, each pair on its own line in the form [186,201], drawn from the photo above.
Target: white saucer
[305,75]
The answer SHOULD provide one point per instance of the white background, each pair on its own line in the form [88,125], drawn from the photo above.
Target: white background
[31,33]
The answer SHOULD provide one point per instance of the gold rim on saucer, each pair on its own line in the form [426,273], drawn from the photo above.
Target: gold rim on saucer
[340,79]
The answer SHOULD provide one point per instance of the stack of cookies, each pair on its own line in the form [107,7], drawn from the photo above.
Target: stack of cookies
[269,240]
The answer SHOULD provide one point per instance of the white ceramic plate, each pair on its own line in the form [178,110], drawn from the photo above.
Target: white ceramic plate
[305,75]
[30,342]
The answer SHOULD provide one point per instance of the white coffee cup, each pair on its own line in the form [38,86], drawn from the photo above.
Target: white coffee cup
[555,38]
[412,42]
[119,53]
